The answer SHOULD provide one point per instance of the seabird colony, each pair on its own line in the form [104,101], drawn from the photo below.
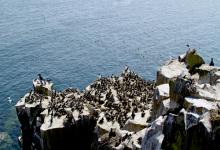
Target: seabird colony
[113,112]
[116,103]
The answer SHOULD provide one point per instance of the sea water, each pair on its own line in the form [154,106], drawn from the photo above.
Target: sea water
[72,41]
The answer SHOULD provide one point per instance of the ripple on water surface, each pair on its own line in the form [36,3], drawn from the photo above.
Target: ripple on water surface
[73,41]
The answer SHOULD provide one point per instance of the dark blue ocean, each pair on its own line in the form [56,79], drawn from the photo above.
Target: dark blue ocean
[72,41]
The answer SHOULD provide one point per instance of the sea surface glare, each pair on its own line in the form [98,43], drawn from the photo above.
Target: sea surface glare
[72,41]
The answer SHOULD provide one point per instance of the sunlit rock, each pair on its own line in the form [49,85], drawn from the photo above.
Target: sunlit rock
[154,135]
[171,70]
[208,74]
[162,92]
[199,106]
[127,112]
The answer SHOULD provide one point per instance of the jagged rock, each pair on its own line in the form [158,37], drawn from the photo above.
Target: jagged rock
[179,89]
[168,106]
[163,108]
[205,119]
[208,74]
[215,78]
[180,130]
[128,112]
[199,106]
[55,120]
[174,132]
[198,94]
[160,101]
[162,92]
[206,91]
[170,71]
[154,135]
[191,119]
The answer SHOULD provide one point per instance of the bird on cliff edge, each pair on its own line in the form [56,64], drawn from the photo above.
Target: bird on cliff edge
[212,62]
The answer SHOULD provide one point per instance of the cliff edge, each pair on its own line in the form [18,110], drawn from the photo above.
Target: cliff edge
[179,111]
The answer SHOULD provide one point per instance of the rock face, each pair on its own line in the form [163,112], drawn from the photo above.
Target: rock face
[178,112]
[193,118]
[111,113]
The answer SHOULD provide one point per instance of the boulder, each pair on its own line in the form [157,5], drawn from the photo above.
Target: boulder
[215,78]
[208,92]
[198,105]
[179,89]
[193,60]
[164,107]
[170,71]
[208,74]
[161,92]
[169,106]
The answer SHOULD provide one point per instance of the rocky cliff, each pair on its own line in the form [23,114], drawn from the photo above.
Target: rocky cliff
[178,111]
[186,106]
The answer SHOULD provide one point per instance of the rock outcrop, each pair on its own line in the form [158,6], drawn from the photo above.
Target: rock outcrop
[110,113]
[192,107]
[180,111]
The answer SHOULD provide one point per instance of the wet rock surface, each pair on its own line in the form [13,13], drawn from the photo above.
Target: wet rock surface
[178,112]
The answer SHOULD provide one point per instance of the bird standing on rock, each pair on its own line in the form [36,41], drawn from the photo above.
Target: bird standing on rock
[133,115]
[211,63]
